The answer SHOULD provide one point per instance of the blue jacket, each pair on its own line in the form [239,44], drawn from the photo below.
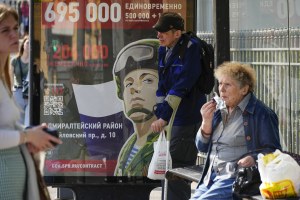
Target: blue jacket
[178,77]
[261,131]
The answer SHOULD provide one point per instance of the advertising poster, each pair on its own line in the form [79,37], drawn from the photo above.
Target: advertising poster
[98,75]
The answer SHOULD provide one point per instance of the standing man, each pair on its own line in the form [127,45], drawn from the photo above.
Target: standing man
[136,76]
[177,79]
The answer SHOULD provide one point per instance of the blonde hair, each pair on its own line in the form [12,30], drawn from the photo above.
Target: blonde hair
[243,73]
[5,12]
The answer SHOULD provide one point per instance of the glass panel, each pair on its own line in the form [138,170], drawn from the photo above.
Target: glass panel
[265,34]
[205,16]
[85,70]
[205,20]
[205,23]
[294,81]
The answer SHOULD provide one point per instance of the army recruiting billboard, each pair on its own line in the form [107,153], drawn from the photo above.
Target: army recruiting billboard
[97,65]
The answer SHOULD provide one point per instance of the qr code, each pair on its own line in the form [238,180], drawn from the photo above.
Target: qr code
[53,105]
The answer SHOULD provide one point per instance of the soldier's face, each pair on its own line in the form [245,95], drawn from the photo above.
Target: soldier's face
[139,94]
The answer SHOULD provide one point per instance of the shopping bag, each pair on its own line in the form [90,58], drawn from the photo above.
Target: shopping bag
[280,175]
[157,167]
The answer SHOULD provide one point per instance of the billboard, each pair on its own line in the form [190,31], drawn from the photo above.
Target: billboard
[97,65]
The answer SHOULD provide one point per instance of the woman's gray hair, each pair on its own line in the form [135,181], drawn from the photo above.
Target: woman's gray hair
[243,73]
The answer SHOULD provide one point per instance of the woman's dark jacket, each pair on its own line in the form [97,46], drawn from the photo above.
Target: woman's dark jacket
[261,131]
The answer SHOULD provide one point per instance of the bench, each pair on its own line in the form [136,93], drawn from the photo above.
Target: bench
[190,173]
[193,173]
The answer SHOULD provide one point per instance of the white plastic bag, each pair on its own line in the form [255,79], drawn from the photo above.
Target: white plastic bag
[280,175]
[157,167]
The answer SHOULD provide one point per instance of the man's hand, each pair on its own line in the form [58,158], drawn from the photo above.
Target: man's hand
[158,125]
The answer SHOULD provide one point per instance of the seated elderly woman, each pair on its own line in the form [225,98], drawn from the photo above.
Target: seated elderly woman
[233,134]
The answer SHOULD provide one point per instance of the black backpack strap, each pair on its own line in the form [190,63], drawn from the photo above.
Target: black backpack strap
[186,39]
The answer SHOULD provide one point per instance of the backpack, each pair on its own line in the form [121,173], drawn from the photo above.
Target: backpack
[206,80]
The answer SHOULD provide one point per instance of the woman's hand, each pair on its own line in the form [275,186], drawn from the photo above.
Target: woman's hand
[39,139]
[247,161]
[207,112]
[32,149]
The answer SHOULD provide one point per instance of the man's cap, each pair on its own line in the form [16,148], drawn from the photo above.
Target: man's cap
[168,21]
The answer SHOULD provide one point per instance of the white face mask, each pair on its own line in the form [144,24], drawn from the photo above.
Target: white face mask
[220,103]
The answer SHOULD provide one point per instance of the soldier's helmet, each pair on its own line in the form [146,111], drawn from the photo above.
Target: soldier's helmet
[140,54]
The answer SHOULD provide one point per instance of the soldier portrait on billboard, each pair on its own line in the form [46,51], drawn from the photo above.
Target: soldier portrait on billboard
[136,77]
